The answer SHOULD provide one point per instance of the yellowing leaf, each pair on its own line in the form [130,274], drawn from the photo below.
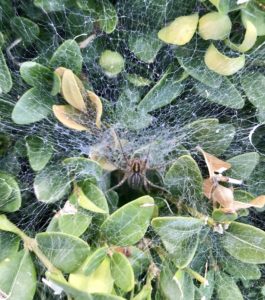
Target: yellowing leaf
[71,91]
[249,39]
[180,31]
[68,116]
[104,163]
[100,281]
[98,105]
[86,203]
[221,64]
[214,26]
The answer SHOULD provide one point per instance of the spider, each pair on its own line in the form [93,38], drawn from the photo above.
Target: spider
[135,173]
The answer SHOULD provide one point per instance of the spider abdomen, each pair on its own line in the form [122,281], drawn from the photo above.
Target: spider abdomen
[135,181]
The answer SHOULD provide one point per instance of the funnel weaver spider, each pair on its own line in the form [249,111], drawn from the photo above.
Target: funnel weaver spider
[135,173]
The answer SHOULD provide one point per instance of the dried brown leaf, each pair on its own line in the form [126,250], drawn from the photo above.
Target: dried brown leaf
[225,197]
[208,187]
[214,164]
[257,202]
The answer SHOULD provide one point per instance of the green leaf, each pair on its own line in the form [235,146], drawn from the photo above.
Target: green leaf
[245,243]
[36,75]
[2,40]
[145,46]
[68,55]
[180,237]
[39,152]
[107,16]
[184,178]
[90,197]
[10,200]
[74,224]
[9,244]
[226,94]
[253,13]
[253,85]
[243,165]
[51,184]
[52,5]
[164,92]
[33,106]
[93,261]
[220,216]
[241,270]
[83,168]
[66,252]
[175,286]
[18,276]
[226,288]
[193,63]
[111,62]
[127,225]
[127,111]
[6,225]
[213,137]
[140,260]
[122,272]
[138,80]
[256,138]
[207,290]
[5,76]
[185,284]
[24,28]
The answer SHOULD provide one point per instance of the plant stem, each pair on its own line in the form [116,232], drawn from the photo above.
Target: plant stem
[29,243]
[197,276]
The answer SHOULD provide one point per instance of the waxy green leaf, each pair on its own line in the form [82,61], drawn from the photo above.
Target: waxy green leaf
[36,75]
[184,178]
[10,199]
[5,76]
[245,243]
[226,94]
[51,184]
[122,272]
[243,165]
[39,152]
[127,225]
[74,224]
[68,55]
[180,236]
[32,107]
[164,91]
[226,288]
[65,251]
[18,276]
[24,28]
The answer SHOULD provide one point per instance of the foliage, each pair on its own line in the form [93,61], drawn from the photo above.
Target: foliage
[132,149]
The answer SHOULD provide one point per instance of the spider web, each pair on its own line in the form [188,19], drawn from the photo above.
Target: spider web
[162,136]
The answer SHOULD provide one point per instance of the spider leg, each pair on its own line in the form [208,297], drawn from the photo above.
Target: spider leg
[147,182]
[125,177]
[146,185]
[155,186]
